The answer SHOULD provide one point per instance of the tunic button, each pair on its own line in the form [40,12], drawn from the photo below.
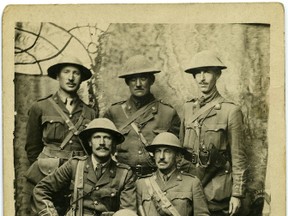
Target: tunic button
[112,194]
[51,121]
[153,108]
[49,171]
[226,171]
[97,188]
[95,202]
[70,141]
[139,152]
[70,116]
[165,193]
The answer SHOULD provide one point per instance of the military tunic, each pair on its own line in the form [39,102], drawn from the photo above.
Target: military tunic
[220,126]
[107,194]
[45,126]
[46,130]
[183,190]
[160,117]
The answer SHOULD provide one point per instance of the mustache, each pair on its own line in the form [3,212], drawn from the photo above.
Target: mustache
[162,161]
[203,83]
[103,147]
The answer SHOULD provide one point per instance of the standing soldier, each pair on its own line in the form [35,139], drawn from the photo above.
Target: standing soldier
[212,131]
[54,123]
[169,191]
[141,117]
[99,185]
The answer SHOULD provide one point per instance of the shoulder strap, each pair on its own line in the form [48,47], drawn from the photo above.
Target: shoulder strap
[134,126]
[78,188]
[204,109]
[73,129]
[135,115]
[153,186]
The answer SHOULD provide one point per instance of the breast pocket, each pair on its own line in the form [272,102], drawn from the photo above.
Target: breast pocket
[191,138]
[53,128]
[215,134]
[183,201]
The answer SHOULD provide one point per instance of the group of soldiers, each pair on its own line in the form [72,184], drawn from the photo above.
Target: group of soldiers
[139,158]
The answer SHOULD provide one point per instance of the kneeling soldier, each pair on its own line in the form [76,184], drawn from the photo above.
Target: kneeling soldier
[100,185]
[169,191]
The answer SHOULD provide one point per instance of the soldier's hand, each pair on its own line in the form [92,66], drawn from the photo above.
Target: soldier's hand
[234,205]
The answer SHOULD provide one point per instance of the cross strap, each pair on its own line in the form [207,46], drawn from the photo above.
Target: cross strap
[202,110]
[135,115]
[135,127]
[73,129]
[154,187]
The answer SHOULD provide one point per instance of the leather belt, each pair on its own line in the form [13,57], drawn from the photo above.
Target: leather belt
[58,153]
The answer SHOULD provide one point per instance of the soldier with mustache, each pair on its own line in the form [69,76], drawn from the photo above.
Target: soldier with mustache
[99,185]
[142,116]
[212,131]
[169,191]
[54,123]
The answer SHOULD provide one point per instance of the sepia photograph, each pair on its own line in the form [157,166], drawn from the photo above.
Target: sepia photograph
[144,110]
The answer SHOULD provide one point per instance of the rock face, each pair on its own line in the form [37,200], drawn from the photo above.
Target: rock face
[244,49]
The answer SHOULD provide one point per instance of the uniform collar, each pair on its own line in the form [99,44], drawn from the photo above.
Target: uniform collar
[64,99]
[95,162]
[204,99]
[168,175]
[140,102]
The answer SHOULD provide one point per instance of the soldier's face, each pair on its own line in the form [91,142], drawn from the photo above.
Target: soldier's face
[102,144]
[206,80]
[165,159]
[139,85]
[69,79]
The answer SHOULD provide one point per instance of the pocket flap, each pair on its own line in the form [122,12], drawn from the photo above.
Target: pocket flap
[180,195]
[52,119]
[48,165]
[216,127]
[146,196]
[108,192]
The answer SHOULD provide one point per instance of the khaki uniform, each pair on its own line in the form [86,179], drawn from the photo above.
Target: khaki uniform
[46,130]
[219,127]
[113,190]
[159,118]
[184,191]
[45,126]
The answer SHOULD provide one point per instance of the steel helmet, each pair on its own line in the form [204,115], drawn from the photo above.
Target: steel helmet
[137,64]
[125,212]
[66,61]
[101,125]
[205,59]
[165,139]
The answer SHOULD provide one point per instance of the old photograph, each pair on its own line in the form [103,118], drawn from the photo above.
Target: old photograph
[145,110]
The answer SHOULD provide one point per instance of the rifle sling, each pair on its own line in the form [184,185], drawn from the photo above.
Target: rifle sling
[73,129]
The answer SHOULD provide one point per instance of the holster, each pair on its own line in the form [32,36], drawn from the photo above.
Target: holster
[217,162]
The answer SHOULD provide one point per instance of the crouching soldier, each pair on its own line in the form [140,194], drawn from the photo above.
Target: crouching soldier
[169,191]
[99,185]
